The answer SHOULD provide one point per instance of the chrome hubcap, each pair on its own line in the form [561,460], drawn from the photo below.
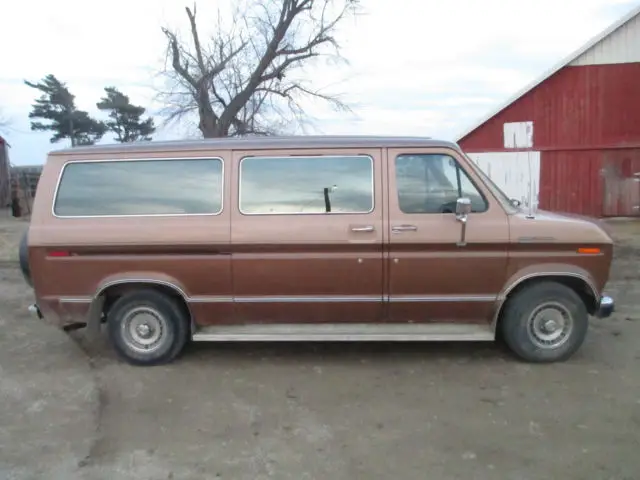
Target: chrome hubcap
[550,325]
[143,329]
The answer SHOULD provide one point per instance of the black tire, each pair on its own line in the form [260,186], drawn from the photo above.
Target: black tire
[522,327]
[165,318]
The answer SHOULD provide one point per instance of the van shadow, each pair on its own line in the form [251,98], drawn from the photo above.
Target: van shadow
[326,352]
[344,352]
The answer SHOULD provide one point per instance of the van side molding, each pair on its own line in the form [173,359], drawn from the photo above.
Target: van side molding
[153,281]
[529,276]
[98,298]
[518,280]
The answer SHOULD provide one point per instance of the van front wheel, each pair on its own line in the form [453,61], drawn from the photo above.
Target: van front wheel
[147,327]
[545,322]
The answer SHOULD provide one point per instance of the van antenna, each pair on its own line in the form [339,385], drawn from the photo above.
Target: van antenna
[530,212]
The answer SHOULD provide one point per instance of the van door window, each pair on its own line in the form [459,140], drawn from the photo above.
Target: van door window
[431,183]
[306,185]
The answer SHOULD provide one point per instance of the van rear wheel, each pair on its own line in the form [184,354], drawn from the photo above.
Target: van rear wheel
[147,327]
[546,322]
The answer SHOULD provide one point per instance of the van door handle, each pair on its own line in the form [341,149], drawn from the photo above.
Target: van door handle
[368,228]
[403,228]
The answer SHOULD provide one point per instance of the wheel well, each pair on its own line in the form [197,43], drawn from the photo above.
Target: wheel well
[112,293]
[576,284]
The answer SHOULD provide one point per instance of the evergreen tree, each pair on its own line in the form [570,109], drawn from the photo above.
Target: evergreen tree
[57,105]
[124,118]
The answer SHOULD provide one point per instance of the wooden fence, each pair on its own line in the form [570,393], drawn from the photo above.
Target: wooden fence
[24,181]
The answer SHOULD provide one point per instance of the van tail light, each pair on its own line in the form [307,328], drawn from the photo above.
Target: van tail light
[589,251]
[59,253]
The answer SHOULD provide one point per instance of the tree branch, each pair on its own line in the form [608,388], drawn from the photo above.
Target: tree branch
[237,83]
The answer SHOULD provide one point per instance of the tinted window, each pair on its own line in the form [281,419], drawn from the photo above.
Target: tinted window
[317,184]
[431,183]
[149,187]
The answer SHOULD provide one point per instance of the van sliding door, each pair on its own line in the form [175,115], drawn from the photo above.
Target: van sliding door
[307,235]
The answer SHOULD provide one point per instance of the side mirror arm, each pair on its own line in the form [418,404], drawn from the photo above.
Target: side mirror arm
[463,208]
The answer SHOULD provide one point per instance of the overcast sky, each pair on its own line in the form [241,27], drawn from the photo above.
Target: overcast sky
[417,67]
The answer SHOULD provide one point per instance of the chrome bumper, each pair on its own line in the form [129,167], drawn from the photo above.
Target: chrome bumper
[35,311]
[605,307]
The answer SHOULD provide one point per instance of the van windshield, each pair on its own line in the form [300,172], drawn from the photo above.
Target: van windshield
[502,197]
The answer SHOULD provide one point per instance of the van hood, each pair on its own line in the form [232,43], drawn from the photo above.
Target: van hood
[585,218]
[547,213]
[561,227]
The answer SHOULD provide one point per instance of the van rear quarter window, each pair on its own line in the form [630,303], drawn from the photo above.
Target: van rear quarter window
[306,185]
[140,187]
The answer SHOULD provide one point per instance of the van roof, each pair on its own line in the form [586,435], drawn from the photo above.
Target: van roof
[271,142]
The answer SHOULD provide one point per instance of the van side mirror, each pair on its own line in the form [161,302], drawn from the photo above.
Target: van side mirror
[515,202]
[463,208]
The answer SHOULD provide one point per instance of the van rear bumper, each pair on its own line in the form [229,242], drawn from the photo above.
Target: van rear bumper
[58,313]
[606,307]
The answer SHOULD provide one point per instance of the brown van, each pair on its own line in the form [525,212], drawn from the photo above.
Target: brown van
[305,238]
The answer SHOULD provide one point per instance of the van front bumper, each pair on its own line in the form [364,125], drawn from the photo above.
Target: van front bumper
[606,306]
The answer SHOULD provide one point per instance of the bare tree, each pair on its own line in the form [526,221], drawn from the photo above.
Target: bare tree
[248,78]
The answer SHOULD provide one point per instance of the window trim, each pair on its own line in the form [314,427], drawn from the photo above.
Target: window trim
[459,164]
[141,215]
[253,157]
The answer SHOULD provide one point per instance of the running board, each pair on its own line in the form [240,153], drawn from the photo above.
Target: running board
[345,332]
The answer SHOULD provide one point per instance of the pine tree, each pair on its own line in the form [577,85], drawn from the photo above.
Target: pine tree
[57,105]
[124,118]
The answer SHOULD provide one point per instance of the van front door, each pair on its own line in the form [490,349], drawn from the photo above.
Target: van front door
[437,274]
[307,236]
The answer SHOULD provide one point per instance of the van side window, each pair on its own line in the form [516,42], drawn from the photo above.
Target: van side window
[431,183]
[140,187]
[306,185]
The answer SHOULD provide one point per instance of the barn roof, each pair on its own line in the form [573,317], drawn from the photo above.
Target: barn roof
[563,63]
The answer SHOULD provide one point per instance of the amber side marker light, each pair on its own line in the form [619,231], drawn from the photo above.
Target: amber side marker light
[589,251]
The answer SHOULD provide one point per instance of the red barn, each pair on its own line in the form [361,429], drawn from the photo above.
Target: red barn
[573,136]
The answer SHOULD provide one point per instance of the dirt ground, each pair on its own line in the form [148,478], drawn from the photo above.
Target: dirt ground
[328,411]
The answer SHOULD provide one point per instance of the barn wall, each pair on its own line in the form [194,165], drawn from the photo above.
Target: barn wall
[621,46]
[621,182]
[591,106]
[586,124]
[570,181]
[514,172]
[600,183]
